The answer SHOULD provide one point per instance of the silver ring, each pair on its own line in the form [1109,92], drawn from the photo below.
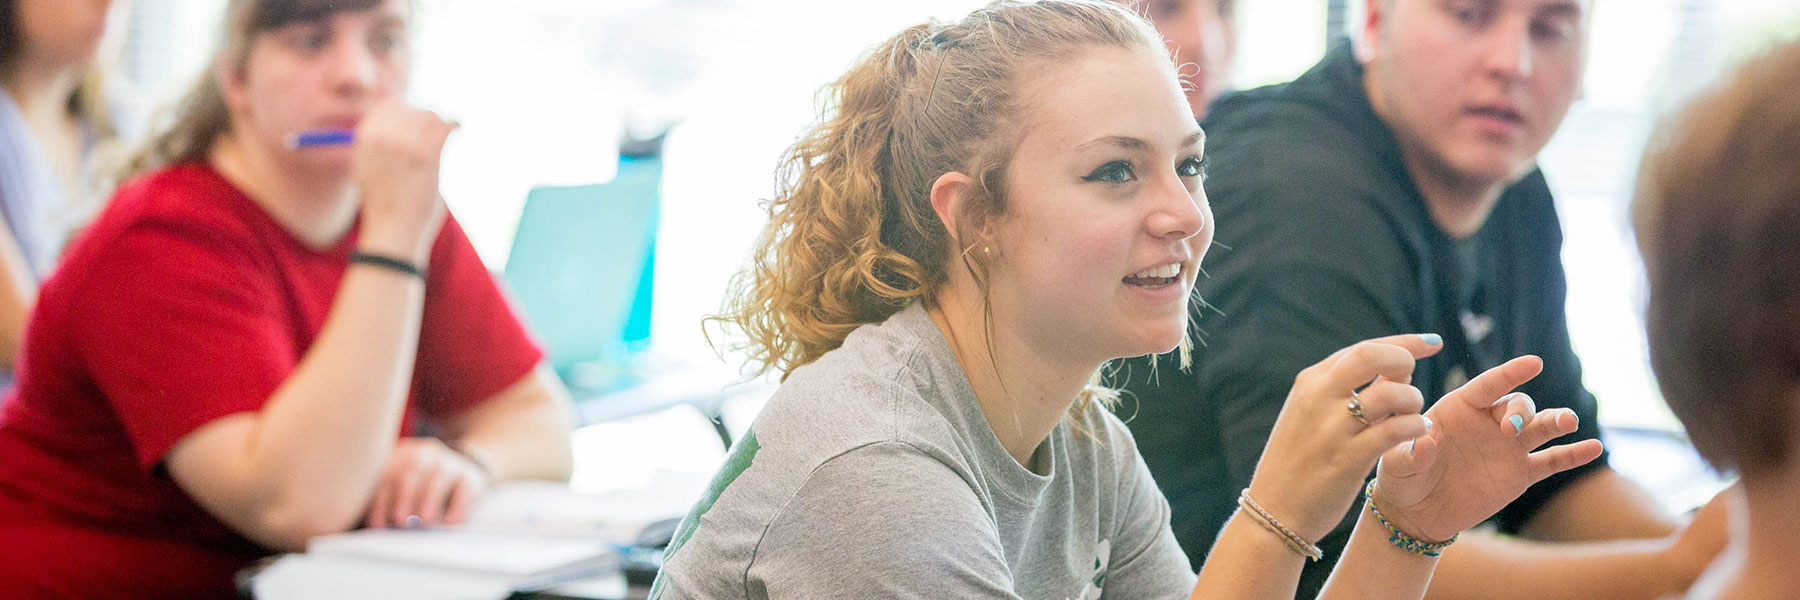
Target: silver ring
[1355,407]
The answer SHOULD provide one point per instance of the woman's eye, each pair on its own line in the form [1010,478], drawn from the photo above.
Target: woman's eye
[306,38]
[1117,171]
[387,41]
[1553,31]
[1470,14]
[1191,167]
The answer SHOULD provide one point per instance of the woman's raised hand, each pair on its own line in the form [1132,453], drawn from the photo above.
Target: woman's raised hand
[1478,458]
[1321,449]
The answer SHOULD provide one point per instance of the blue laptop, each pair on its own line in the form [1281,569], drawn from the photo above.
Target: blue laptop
[581,268]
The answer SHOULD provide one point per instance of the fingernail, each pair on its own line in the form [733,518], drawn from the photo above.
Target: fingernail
[1518,423]
[413,521]
[1427,424]
[1409,447]
[1431,338]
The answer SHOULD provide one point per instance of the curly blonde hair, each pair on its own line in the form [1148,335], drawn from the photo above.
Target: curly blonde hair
[852,237]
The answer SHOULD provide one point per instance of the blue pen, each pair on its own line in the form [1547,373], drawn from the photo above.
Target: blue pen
[320,137]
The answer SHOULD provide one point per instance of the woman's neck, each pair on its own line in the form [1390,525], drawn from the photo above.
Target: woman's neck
[317,210]
[1024,391]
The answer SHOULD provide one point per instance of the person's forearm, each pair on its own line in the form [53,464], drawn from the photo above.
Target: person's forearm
[1601,505]
[322,439]
[523,433]
[1371,567]
[1486,566]
[324,435]
[1248,561]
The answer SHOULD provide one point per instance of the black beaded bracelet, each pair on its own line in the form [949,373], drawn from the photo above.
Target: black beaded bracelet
[386,262]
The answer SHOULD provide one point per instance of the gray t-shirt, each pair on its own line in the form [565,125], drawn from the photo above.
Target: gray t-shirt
[872,473]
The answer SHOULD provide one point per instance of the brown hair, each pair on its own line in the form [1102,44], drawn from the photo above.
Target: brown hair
[202,116]
[1718,221]
[852,237]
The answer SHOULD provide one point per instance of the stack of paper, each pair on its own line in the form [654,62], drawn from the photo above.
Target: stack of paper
[527,562]
[524,536]
[433,564]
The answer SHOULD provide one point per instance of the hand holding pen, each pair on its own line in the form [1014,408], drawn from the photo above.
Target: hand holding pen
[395,166]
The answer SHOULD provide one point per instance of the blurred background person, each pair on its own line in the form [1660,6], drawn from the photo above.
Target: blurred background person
[244,350]
[1717,212]
[58,128]
[1202,39]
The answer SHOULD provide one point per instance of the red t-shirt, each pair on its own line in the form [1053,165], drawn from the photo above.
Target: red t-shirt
[183,303]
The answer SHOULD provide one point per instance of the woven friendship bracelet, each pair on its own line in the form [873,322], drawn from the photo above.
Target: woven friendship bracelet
[1399,538]
[1269,522]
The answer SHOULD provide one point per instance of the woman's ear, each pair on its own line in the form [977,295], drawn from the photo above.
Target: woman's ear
[953,199]
[232,87]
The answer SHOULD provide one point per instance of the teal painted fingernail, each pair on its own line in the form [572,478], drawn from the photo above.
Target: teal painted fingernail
[1427,424]
[1409,447]
[1431,338]
[1518,422]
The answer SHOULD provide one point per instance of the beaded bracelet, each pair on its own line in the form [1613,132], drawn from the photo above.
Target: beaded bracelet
[1269,522]
[1398,538]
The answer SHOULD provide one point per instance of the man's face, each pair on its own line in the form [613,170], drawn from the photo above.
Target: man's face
[1201,39]
[1474,88]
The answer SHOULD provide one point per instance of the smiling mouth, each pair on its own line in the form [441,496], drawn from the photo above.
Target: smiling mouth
[1156,277]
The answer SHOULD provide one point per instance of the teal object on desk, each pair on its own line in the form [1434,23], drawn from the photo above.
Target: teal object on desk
[582,268]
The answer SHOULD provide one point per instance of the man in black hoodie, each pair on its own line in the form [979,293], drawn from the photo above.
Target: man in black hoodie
[1394,188]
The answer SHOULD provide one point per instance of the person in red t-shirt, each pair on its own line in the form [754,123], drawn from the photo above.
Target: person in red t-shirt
[222,365]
